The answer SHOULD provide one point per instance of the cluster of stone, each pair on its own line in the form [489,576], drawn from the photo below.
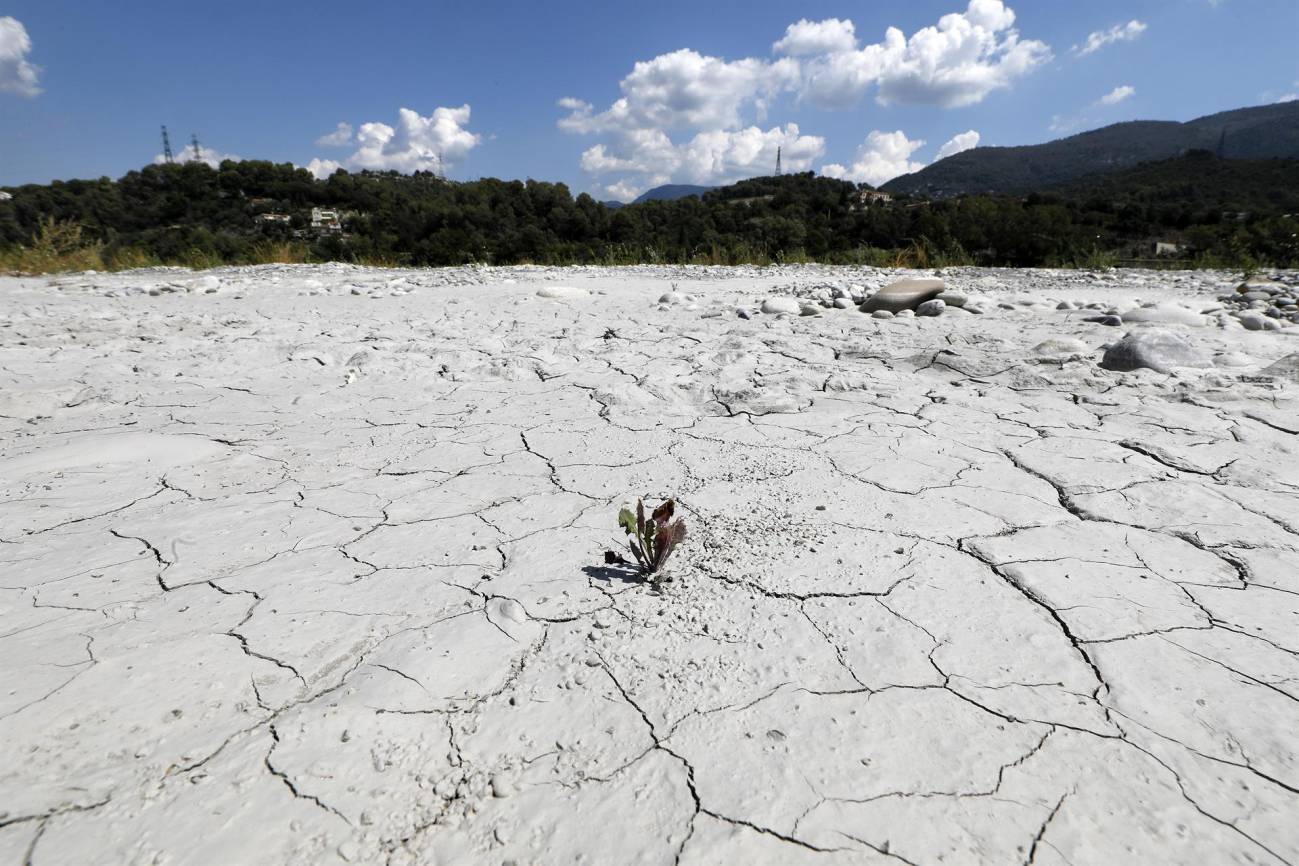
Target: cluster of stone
[1264,305]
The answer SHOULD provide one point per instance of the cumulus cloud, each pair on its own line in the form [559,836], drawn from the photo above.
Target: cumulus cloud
[882,157]
[957,62]
[208,155]
[710,157]
[1288,97]
[1117,95]
[17,74]
[416,143]
[340,137]
[724,103]
[623,190]
[1118,33]
[684,90]
[830,36]
[323,168]
[958,143]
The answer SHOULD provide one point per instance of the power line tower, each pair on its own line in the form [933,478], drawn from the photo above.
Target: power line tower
[778,170]
[166,147]
[198,152]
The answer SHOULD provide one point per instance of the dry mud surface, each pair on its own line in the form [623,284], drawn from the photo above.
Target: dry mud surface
[302,565]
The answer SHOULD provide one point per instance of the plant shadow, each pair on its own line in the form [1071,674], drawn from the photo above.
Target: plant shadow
[612,573]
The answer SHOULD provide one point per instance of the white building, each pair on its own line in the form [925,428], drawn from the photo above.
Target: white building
[326,220]
[4,196]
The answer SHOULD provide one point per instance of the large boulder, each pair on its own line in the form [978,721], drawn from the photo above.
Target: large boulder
[1154,349]
[903,295]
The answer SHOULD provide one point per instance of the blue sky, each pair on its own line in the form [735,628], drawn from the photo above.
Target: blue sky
[719,86]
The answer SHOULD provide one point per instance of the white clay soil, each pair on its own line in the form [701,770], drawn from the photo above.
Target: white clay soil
[303,565]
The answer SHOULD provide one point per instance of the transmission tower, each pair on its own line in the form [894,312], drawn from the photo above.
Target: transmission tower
[193,140]
[778,171]
[166,147]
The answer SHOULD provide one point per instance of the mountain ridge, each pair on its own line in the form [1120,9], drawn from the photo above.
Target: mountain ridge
[1260,132]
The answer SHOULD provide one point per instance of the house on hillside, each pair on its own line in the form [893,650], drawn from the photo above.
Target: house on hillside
[4,196]
[864,198]
[269,219]
[1165,248]
[326,221]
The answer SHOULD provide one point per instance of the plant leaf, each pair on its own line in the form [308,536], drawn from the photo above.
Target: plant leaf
[627,520]
[663,513]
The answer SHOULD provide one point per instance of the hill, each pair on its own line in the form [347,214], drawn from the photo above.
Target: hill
[671,192]
[251,212]
[1197,181]
[1265,132]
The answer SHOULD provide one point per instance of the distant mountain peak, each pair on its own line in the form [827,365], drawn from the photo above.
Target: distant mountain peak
[671,192]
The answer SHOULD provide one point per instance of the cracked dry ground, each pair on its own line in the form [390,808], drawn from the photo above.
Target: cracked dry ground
[310,579]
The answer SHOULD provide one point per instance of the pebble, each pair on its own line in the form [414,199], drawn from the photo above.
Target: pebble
[558,292]
[881,314]
[953,298]
[1060,347]
[933,307]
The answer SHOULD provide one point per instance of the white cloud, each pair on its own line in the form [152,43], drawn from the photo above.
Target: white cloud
[684,90]
[416,143]
[649,157]
[1118,33]
[723,103]
[1117,95]
[958,143]
[957,62]
[340,137]
[17,75]
[882,157]
[623,190]
[1288,97]
[817,37]
[322,168]
[212,157]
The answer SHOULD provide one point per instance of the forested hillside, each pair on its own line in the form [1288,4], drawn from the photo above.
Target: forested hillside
[1220,212]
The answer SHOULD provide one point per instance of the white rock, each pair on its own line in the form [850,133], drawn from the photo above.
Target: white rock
[781,305]
[561,292]
[1165,314]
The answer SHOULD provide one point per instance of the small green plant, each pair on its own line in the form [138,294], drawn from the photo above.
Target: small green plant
[650,541]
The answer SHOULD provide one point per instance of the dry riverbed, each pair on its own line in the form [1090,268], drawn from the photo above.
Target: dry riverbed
[302,565]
